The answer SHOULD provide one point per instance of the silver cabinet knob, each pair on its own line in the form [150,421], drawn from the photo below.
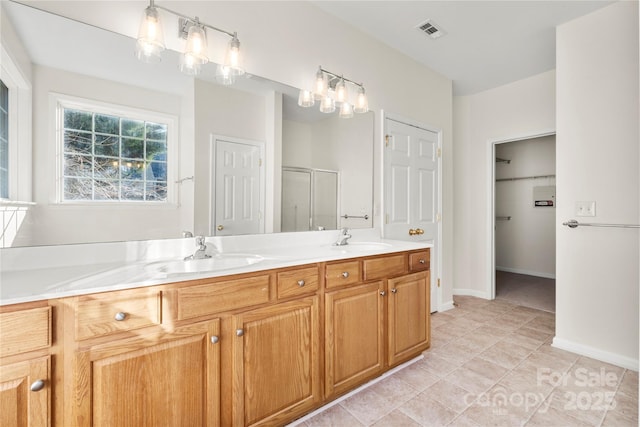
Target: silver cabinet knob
[214,339]
[383,293]
[37,385]
[239,332]
[394,290]
[422,261]
[345,274]
[301,283]
[120,316]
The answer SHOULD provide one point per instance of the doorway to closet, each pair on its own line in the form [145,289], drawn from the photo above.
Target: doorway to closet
[524,228]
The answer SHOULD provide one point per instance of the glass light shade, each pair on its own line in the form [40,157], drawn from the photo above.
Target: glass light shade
[190,65]
[346,111]
[321,85]
[150,42]
[362,103]
[306,98]
[341,91]
[233,59]
[224,75]
[196,48]
[327,104]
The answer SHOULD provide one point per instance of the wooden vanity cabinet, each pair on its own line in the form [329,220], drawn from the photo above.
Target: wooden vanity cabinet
[130,369]
[25,366]
[276,363]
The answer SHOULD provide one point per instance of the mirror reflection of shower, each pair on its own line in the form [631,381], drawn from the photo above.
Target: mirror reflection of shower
[309,199]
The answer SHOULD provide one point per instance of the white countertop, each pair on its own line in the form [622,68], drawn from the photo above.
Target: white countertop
[57,281]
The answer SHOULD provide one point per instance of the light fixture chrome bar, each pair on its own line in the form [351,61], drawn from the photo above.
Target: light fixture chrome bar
[572,223]
[339,76]
[188,18]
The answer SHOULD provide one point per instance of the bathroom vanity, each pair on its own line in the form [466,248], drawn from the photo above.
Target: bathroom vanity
[262,344]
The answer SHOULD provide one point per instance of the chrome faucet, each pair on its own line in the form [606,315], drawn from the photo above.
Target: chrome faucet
[200,252]
[344,236]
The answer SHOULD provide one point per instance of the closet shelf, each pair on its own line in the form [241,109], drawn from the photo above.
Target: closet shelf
[518,178]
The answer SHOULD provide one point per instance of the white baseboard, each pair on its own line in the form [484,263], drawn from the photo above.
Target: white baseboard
[596,353]
[527,272]
[446,306]
[471,293]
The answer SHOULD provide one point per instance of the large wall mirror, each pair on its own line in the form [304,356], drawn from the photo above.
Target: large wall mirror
[317,169]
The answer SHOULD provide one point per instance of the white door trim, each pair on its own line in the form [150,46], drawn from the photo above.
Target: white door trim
[491,218]
[411,122]
[213,145]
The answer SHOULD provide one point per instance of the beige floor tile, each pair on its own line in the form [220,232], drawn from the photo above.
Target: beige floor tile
[499,324]
[417,377]
[481,339]
[629,384]
[543,324]
[484,414]
[551,416]
[463,421]
[336,416]
[452,330]
[626,406]
[427,412]
[558,353]
[454,352]
[451,396]
[395,389]
[480,315]
[533,334]
[396,419]
[548,363]
[367,406]
[437,365]
[486,368]
[525,382]
[586,406]
[596,366]
[470,380]
[615,419]
[505,354]
[516,317]
[521,340]
[492,330]
[524,309]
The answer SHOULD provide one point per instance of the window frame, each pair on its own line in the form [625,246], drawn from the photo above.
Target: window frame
[59,102]
[19,135]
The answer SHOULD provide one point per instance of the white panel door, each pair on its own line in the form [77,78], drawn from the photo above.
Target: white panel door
[237,189]
[411,188]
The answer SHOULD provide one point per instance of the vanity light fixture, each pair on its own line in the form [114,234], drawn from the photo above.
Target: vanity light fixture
[334,90]
[150,44]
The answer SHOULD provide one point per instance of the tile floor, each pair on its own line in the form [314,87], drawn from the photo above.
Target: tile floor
[491,364]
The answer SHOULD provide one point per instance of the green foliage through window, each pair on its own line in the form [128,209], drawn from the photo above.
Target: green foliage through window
[111,158]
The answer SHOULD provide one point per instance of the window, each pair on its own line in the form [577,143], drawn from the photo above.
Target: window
[4,141]
[113,155]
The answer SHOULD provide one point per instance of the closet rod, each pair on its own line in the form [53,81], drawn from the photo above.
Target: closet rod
[572,223]
[503,218]
[500,160]
[525,177]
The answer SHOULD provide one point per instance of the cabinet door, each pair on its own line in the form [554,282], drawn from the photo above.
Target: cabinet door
[157,378]
[24,393]
[276,363]
[408,316]
[354,344]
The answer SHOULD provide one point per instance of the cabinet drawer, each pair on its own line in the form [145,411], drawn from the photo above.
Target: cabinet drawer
[381,268]
[202,300]
[419,261]
[297,282]
[105,314]
[25,330]
[342,273]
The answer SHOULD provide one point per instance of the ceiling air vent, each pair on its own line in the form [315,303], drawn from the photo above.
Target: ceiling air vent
[431,29]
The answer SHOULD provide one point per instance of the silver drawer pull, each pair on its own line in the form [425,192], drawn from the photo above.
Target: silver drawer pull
[383,293]
[301,283]
[120,316]
[37,385]
[422,261]
[214,339]
[345,274]
[239,332]
[394,290]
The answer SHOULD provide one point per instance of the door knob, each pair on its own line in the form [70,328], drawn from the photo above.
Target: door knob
[220,228]
[419,231]
[37,385]
[412,232]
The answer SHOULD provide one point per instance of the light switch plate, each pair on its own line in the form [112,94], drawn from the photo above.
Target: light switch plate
[585,208]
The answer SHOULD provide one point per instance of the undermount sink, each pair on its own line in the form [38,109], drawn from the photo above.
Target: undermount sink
[363,246]
[215,263]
